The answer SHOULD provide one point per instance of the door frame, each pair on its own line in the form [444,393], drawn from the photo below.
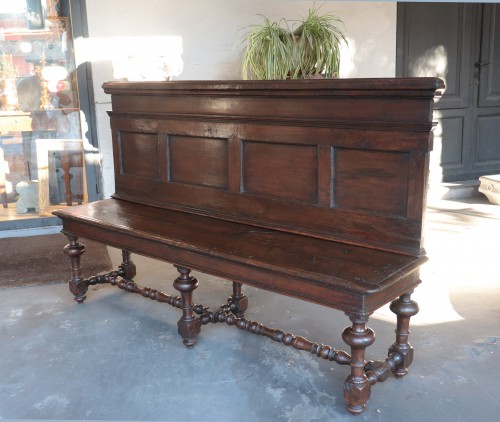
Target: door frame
[79,23]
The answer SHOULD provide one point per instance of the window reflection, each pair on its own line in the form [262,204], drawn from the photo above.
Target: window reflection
[41,160]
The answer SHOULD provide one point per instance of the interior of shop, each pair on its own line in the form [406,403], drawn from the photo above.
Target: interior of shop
[41,150]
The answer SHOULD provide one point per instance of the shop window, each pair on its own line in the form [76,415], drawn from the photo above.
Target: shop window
[42,164]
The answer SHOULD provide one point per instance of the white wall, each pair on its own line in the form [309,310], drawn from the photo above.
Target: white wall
[211,32]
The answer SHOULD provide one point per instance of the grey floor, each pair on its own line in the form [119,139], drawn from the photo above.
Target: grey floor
[118,356]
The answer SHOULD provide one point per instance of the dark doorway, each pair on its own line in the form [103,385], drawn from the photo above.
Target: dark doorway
[461,44]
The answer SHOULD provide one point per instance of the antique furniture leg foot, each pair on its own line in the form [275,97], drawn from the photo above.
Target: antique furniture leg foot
[128,266]
[77,285]
[189,326]
[404,308]
[357,386]
[238,301]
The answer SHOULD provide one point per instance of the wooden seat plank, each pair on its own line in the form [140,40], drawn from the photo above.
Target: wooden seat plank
[362,272]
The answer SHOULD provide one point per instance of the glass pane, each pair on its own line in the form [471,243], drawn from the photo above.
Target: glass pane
[41,152]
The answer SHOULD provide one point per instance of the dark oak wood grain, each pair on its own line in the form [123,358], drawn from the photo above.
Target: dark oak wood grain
[313,189]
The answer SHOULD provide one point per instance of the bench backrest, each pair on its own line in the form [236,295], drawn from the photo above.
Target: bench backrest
[344,160]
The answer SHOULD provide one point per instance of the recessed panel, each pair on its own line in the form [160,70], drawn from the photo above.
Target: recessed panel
[450,133]
[139,154]
[198,161]
[281,170]
[489,139]
[436,47]
[371,180]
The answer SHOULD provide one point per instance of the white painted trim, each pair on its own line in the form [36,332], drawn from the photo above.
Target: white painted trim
[37,231]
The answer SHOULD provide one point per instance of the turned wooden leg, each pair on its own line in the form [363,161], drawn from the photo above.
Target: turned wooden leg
[77,285]
[404,308]
[188,326]
[128,266]
[357,387]
[238,301]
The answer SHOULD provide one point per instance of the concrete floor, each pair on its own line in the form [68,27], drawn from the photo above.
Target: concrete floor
[118,356]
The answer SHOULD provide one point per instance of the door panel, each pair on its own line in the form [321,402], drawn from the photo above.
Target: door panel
[437,43]
[488,104]
[489,65]
[448,149]
[488,134]
[452,128]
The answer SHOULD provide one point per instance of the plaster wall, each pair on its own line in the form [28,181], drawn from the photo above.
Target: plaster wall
[210,33]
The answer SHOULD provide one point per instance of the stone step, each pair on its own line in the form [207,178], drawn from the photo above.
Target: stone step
[455,190]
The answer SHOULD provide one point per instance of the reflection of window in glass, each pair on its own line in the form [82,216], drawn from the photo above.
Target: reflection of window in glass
[38,107]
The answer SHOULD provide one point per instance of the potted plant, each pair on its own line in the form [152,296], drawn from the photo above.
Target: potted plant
[319,39]
[269,52]
[274,50]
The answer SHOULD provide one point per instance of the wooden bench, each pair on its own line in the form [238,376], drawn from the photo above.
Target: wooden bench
[313,189]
